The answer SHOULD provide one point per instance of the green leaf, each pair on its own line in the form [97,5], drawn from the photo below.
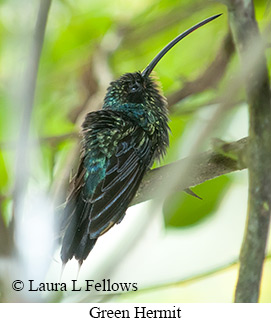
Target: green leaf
[183,210]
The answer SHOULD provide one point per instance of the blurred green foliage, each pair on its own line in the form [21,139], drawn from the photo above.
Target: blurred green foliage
[182,210]
[76,30]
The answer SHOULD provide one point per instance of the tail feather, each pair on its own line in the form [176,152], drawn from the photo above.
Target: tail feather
[85,246]
[76,241]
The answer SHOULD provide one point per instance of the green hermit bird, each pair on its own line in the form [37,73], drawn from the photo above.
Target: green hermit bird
[120,144]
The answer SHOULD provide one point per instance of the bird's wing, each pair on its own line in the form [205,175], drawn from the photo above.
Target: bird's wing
[108,177]
[124,172]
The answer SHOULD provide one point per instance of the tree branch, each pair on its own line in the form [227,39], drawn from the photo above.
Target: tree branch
[247,40]
[202,167]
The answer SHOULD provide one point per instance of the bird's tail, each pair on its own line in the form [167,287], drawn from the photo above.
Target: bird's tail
[76,241]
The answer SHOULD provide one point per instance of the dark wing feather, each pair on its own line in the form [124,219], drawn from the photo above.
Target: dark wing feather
[124,174]
[91,212]
[75,240]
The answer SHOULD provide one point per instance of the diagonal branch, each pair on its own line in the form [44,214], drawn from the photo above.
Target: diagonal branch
[203,167]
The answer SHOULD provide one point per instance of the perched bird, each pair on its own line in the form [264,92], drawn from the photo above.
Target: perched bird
[120,143]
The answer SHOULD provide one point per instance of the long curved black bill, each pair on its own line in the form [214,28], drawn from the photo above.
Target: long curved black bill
[157,58]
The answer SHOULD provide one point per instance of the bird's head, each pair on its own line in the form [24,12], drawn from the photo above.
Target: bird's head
[134,88]
[140,87]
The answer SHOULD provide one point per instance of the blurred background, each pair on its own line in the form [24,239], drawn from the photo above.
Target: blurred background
[180,250]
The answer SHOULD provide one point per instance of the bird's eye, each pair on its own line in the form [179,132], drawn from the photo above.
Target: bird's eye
[135,87]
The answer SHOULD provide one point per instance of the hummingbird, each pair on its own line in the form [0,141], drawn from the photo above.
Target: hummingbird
[120,142]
